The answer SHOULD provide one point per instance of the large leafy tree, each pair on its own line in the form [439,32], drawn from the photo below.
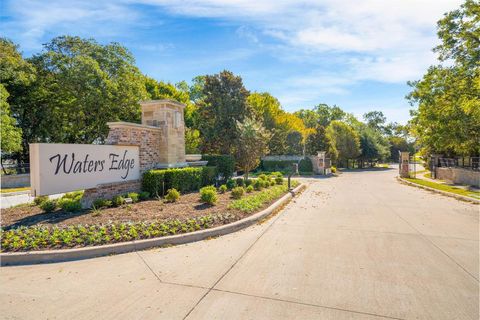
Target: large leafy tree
[375,120]
[80,85]
[374,146]
[283,126]
[10,134]
[295,143]
[321,114]
[344,140]
[447,119]
[317,141]
[16,75]
[224,103]
[252,144]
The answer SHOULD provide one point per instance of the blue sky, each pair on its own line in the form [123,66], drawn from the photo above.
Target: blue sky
[355,54]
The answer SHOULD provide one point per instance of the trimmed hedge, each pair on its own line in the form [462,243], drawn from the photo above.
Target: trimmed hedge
[157,182]
[305,165]
[225,164]
[208,175]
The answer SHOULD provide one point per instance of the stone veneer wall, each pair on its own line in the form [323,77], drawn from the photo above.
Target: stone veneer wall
[167,115]
[109,190]
[459,175]
[148,138]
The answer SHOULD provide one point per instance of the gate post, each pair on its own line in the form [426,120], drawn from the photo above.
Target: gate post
[404,164]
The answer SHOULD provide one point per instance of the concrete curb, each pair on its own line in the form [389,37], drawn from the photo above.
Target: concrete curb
[47,256]
[446,193]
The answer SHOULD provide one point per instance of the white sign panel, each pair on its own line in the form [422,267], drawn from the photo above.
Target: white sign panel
[57,167]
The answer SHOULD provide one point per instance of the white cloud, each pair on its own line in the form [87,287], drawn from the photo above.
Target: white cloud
[387,41]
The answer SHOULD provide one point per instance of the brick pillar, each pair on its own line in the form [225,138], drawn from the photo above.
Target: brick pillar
[404,164]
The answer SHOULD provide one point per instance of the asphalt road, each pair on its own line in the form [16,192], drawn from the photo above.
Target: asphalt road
[357,246]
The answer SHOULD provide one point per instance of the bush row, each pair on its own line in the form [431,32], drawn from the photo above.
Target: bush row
[305,165]
[253,202]
[157,182]
[225,164]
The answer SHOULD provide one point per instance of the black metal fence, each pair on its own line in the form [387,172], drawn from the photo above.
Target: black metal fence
[472,163]
[11,169]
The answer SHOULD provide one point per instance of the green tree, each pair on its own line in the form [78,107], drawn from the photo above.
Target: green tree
[16,77]
[375,119]
[224,103]
[80,85]
[279,123]
[295,143]
[192,141]
[10,134]
[399,144]
[252,144]
[447,119]
[344,140]
[374,146]
[317,141]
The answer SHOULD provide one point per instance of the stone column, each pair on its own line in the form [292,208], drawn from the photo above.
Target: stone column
[404,164]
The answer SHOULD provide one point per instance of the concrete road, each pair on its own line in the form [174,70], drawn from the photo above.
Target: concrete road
[357,246]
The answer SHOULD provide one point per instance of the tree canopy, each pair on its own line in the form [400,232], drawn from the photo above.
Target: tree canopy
[224,103]
[447,119]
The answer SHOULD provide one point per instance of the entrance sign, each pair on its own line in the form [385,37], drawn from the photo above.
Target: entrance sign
[57,168]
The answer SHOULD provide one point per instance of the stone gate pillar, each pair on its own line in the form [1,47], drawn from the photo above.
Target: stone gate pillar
[404,164]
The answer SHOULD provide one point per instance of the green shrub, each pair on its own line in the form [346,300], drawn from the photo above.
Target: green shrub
[252,202]
[272,182]
[277,165]
[117,201]
[237,192]
[144,195]
[209,174]
[208,195]
[276,174]
[39,200]
[225,164]
[258,184]
[231,184]
[134,196]
[262,176]
[73,195]
[265,183]
[249,189]
[334,169]
[172,195]
[248,182]
[69,204]
[48,205]
[223,188]
[279,179]
[157,182]
[240,182]
[102,203]
[305,165]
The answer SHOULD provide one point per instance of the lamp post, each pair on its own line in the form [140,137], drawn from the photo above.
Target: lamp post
[292,172]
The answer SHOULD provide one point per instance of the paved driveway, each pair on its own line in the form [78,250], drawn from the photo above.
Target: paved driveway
[358,246]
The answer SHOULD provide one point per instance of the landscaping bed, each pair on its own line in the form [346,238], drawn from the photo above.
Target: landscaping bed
[26,228]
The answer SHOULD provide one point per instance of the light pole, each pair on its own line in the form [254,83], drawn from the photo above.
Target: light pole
[292,172]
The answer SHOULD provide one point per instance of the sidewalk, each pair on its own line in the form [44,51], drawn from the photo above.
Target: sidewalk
[11,201]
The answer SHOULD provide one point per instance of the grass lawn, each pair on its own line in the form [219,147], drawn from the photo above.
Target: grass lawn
[14,189]
[444,187]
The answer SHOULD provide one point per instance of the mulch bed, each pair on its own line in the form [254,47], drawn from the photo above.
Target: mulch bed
[188,206]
